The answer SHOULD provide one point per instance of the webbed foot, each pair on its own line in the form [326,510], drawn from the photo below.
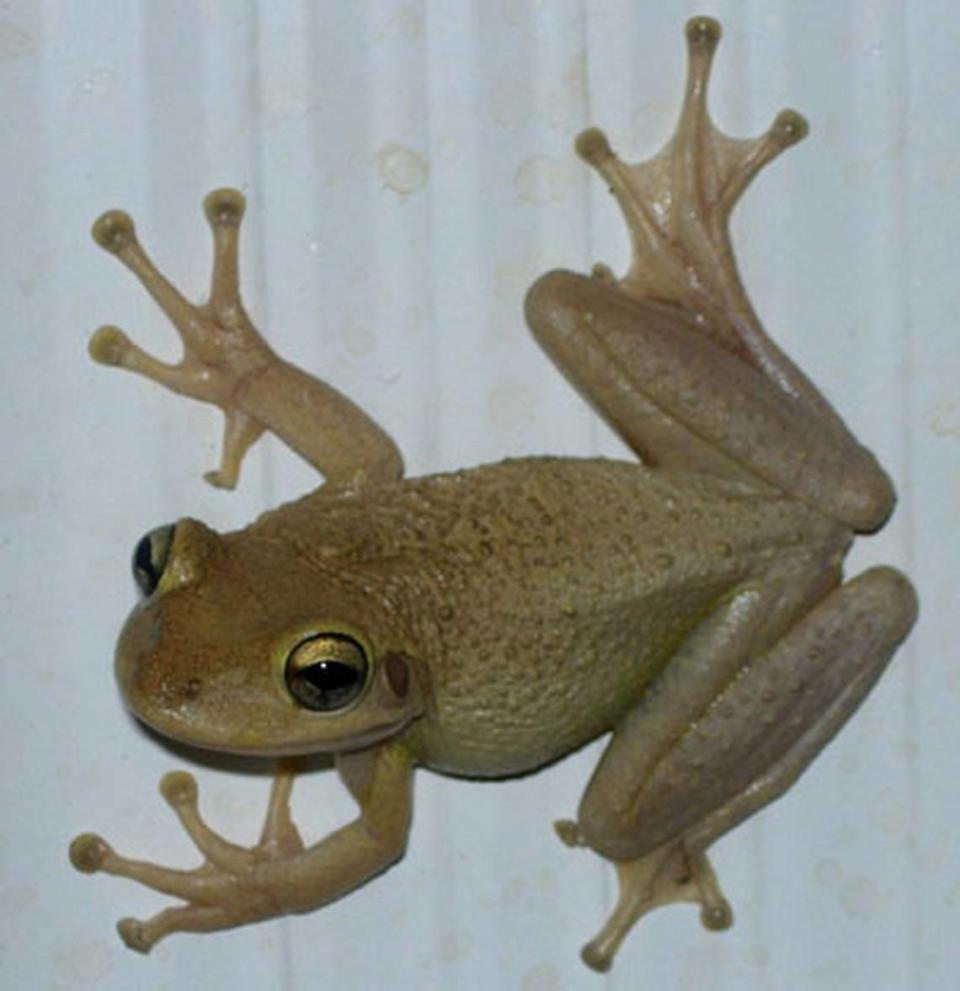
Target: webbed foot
[226,362]
[668,875]
[677,206]
[221,347]
[231,887]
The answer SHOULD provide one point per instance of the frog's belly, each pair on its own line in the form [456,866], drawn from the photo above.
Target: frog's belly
[529,697]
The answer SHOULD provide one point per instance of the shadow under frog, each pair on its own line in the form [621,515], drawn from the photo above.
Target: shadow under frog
[488,621]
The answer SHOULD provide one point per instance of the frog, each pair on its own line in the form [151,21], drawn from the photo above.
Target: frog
[690,604]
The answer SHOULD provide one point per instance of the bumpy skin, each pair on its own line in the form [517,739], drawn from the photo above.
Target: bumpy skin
[528,632]
[489,621]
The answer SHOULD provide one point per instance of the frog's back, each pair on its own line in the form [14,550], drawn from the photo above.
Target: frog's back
[540,595]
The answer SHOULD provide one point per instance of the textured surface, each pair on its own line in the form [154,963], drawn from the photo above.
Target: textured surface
[409,173]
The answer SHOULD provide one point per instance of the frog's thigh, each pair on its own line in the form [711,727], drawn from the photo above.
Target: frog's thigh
[679,399]
[579,322]
[756,736]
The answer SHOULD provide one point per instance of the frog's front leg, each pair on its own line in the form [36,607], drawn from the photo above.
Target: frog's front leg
[732,723]
[228,363]
[278,876]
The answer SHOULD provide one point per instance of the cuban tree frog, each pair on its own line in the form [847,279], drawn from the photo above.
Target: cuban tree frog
[488,621]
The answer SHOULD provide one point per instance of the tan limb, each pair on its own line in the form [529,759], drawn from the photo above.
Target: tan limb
[278,875]
[673,354]
[681,401]
[226,362]
[677,206]
[732,757]
[668,876]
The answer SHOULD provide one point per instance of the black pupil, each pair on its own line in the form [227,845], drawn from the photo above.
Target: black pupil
[145,572]
[328,684]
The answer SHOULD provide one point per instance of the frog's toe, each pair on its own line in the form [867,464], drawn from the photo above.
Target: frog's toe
[113,230]
[596,957]
[717,916]
[789,127]
[179,789]
[569,832]
[593,146]
[220,479]
[703,32]
[134,935]
[108,345]
[88,852]
[224,206]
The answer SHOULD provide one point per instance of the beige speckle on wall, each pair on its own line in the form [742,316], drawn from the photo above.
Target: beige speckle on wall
[358,339]
[85,963]
[543,977]
[542,179]
[945,418]
[15,42]
[402,169]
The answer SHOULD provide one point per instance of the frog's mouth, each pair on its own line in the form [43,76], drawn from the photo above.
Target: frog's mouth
[252,741]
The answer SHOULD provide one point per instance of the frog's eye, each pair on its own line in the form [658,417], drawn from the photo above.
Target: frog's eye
[326,672]
[150,558]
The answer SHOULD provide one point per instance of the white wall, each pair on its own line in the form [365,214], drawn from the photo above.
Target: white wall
[409,172]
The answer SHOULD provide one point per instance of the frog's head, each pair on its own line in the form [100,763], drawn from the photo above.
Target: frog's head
[249,646]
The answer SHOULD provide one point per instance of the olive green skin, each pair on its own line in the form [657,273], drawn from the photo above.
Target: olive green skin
[528,631]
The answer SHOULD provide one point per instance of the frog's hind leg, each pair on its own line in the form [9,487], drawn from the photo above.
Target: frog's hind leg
[677,207]
[657,802]
[673,354]
[670,875]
